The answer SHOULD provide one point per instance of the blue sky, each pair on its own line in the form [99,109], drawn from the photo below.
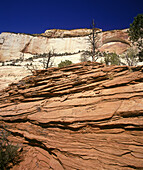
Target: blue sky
[35,16]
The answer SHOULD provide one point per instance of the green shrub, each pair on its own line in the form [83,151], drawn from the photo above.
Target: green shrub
[9,154]
[131,57]
[111,59]
[136,34]
[64,63]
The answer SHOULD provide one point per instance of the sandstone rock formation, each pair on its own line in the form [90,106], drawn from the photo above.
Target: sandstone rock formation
[58,33]
[12,74]
[85,116]
[14,45]
[115,41]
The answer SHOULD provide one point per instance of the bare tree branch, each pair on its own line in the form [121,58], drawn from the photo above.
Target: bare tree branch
[93,39]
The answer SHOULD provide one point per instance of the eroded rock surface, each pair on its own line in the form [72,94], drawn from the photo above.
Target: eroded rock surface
[14,46]
[85,116]
[11,74]
[59,33]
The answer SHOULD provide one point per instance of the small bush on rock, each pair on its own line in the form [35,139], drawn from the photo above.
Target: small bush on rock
[64,63]
[111,59]
[9,154]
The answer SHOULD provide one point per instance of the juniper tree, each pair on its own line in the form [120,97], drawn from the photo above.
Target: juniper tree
[136,34]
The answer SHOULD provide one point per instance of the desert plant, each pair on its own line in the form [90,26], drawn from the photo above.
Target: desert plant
[8,152]
[47,58]
[46,62]
[31,67]
[111,59]
[64,63]
[85,56]
[136,34]
[131,57]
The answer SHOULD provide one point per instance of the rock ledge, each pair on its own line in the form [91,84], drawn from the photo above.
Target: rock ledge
[84,116]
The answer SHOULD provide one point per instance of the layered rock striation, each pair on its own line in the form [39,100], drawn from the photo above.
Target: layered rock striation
[84,116]
[13,46]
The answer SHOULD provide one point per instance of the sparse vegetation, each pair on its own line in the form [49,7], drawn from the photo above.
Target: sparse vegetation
[9,154]
[47,59]
[136,34]
[110,58]
[93,39]
[131,57]
[64,63]
[46,62]
[85,56]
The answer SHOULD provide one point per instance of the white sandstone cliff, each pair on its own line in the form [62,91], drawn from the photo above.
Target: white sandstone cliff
[14,45]
[67,44]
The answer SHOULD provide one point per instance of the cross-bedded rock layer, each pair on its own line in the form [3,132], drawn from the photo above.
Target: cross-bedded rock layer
[84,116]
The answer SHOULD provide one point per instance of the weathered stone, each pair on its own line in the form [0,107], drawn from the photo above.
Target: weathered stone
[15,46]
[84,116]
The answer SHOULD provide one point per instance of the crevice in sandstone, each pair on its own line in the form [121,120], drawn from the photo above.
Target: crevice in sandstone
[26,100]
[122,126]
[88,123]
[130,114]
[133,167]
[26,46]
[60,162]
[138,80]
[34,142]
[115,85]
[17,134]
[17,120]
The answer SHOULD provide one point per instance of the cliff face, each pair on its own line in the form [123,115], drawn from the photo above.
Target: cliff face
[14,46]
[57,33]
[114,41]
[84,116]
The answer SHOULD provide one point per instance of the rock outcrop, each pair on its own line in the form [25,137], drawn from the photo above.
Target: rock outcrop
[13,46]
[58,33]
[115,41]
[12,74]
[84,116]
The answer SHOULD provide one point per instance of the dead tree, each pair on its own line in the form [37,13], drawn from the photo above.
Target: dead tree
[93,39]
[32,68]
[47,59]
[46,63]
